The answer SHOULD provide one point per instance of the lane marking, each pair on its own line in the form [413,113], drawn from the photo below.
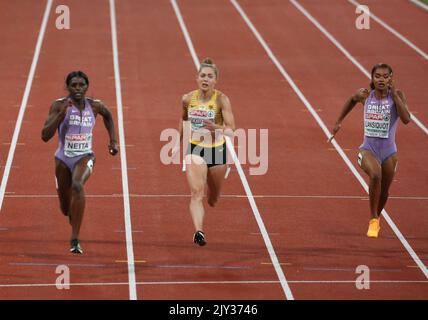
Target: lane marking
[413,266]
[344,149]
[244,181]
[190,266]
[394,32]
[322,125]
[24,102]
[281,263]
[41,264]
[420,4]
[18,143]
[348,269]
[270,196]
[258,233]
[122,154]
[242,282]
[347,54]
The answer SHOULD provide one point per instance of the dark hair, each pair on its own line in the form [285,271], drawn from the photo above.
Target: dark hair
[74,74]
[208,62]
[379,66]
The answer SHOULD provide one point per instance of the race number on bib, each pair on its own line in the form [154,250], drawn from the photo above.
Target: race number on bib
[77,144]
[377,124]
[197,117]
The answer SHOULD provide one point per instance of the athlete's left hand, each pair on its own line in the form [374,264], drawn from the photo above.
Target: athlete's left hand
[112,148]
[391,86]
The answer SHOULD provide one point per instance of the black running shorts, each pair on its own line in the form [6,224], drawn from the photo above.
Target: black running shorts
[213,156]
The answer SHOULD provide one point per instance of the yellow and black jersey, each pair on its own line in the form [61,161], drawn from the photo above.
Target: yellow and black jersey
[197,112]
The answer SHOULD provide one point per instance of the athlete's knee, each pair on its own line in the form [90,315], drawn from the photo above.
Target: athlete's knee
[375,176]
[197,193]
[77,187]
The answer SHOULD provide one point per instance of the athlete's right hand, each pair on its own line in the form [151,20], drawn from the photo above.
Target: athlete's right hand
[113,148]
[336,128]
[64,106]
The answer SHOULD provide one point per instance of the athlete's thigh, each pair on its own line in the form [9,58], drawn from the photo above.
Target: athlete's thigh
[196,171]
[369,163]
[83,169]
[215,177]
[63,176]
[389,167]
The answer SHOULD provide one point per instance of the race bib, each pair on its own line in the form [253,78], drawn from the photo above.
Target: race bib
[376,122]
[77,144]
[197,117]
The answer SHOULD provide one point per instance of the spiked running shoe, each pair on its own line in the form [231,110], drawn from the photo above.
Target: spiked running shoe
[374,228]
[75,247]
[199,238]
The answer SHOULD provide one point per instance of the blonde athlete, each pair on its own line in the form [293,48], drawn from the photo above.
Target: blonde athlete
[208,112]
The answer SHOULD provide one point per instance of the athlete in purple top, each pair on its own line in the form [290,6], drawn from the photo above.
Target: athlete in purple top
[74,118]
[383,105]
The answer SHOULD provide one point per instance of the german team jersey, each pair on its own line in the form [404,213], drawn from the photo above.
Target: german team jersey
[197,112]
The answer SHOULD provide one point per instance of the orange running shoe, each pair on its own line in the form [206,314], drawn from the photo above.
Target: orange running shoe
[374,228]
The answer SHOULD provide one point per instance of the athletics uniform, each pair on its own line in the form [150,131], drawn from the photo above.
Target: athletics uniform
[380,125]
[213,152]
[75,136]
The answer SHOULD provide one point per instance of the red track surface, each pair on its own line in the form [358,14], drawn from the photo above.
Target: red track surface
[318,238]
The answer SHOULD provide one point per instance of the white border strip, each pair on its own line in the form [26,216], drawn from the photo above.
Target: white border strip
[328,134]
[394,32]
[275,196]
[420,4]
[168,283]
[126,205]
[346,53]
[253,205]
[24,102]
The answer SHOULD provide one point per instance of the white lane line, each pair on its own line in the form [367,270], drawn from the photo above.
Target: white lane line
[328,134]
[420,4]
[186,266]
[89,265]
[242,282]
[348,269]
[331,38]
[244,181]
[270,196]
[126,204]
[42,264]
[347,54]
[24,102]
[394,32]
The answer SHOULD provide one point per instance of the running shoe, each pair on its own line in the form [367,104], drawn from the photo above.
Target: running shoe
[374,228]
[75,246]
[199,238]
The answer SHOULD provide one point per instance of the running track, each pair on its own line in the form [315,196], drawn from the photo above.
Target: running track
[313,207]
